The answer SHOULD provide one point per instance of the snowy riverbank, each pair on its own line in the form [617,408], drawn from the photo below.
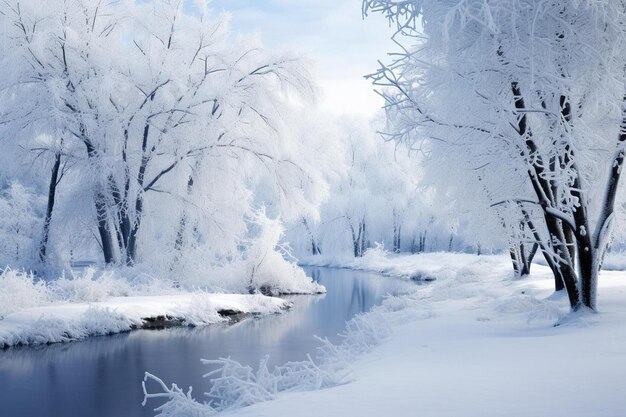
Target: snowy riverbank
[102,302]
[66,322]
[474,342]
[420,267]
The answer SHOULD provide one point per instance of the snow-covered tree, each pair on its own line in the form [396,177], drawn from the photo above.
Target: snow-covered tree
[176,131]
[377,199]
[20,209]
[529,95]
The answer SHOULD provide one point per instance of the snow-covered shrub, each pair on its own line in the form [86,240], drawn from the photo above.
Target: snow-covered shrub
[267,268]
[538,310]
[261,263]
[90,287]
[20,290]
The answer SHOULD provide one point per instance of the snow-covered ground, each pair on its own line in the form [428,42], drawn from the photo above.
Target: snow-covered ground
[474,342]
[422,267]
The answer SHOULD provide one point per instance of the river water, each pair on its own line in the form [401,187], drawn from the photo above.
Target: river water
[101,376]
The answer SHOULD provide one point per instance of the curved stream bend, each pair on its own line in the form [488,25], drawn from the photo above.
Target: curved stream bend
[101,377]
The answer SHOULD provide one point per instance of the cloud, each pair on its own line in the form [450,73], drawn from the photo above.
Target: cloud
[332,33]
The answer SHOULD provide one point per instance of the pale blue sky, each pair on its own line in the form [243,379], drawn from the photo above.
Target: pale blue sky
[344,46]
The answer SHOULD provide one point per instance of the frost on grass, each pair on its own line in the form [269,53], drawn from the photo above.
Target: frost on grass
[537,310]
[19,291]
[234,385]
[22,290]
[98,303]
[94,321]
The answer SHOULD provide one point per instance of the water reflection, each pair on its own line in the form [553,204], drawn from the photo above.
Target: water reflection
[101,376]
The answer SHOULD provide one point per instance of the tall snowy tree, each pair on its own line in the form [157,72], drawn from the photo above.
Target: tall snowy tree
[177,132]
[537,84]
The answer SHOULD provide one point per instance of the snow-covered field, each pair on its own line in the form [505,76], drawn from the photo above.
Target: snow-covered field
[474,342]
[37,312]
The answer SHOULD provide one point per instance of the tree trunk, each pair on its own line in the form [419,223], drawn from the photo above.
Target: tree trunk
[315,248]
[102,215]
[52,188]
[103,227]
[362,233]
[529,259]
[131,250]
[422,241]
[356,239]
[123,223]
[563,265]
[514,254]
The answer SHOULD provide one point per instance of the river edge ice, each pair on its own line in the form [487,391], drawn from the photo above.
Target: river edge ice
[68,322]
[473,342]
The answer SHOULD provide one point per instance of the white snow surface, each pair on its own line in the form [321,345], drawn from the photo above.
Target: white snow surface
[422,267]
[474,342]
[66,322]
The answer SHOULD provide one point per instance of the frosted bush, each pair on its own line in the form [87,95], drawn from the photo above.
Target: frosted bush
[537,310]
[91,288]
[234,385]
[20,290]
[266,266]
[376,255]
[263,264]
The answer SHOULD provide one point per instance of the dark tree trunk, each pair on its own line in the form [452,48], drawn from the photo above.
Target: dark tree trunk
[131,250]
[422,242]
[355,240]
[566,273]
[515,261]
[363,244]
[530,257]
[102,215]
[52,189]
[397,233]
[358,239]
[315,248]
[103,227]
